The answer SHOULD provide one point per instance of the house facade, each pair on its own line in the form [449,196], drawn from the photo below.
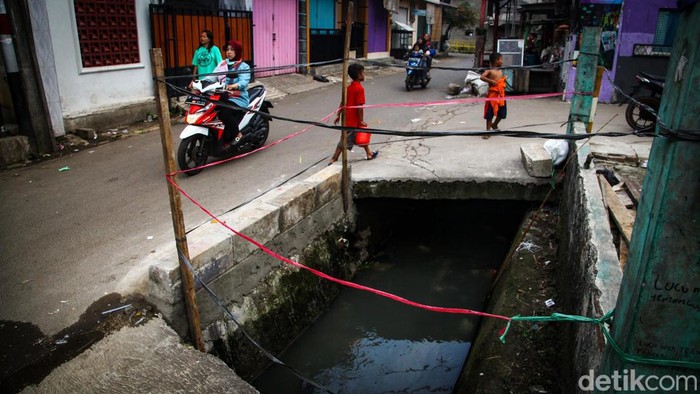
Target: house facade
[647,30]
[91,58]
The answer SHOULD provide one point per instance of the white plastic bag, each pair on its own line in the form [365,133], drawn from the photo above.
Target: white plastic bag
[558,150]
[479,87]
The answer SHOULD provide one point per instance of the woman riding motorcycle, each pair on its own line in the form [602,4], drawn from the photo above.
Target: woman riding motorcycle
[236,82]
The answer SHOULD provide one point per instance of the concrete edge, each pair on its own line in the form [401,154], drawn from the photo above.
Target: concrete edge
[590,264]
[214,249]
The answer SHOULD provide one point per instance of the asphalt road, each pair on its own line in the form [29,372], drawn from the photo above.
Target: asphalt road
[70,237]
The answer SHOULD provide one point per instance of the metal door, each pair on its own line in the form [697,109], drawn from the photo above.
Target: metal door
[275,36]
[377,27]
[322,14]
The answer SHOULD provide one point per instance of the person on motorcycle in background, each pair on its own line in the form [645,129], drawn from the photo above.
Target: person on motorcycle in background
[417,52]
[236,82]
[428,50]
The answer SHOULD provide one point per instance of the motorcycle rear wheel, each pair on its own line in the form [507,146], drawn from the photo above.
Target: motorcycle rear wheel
[192,153]
[639,118]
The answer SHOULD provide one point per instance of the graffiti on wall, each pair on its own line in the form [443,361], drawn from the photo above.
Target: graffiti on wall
[607,17]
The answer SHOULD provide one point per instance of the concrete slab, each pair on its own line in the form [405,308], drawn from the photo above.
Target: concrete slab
[536,160]
[613,150]
[135,358]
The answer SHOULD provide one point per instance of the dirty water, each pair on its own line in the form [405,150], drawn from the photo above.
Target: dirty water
[437,253]
[27,355]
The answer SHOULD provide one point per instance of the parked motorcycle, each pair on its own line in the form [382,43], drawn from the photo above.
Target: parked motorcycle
[204,134]
[416,72]
[637,116]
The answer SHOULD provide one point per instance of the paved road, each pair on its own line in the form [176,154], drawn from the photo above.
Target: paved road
[68,238]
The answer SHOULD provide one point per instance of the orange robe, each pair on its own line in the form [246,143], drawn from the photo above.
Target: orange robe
[497,90]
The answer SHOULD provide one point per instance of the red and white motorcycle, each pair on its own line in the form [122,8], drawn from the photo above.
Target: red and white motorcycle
[204,134]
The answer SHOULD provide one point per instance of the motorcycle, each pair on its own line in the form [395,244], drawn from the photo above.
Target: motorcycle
[638,117]
[204,134]
[416,72]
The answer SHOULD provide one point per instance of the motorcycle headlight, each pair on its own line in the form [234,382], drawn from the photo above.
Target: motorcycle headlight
[192,118]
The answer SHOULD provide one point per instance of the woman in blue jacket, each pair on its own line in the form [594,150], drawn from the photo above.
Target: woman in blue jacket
[236,81]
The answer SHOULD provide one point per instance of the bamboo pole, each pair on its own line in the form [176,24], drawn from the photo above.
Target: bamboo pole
[166,139]
[345,177]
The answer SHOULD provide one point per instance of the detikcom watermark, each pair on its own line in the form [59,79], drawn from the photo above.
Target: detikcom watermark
[628,380]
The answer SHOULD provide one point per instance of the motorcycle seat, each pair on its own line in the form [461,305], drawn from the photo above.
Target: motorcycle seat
[653,77]
[255,92]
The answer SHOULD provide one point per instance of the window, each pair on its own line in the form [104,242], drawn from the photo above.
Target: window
[666,25]
[107,32]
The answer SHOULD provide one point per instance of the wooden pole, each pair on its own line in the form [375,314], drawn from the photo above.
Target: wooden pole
[657,314]
[345,177]
[166,139]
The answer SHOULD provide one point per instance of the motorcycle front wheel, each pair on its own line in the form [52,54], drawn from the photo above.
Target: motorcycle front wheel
[409,85]
[640,118]
[192,153]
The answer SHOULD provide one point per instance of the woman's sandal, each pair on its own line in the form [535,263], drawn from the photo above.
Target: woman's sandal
[374,155]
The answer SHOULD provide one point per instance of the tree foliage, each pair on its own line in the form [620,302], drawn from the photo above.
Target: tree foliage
[460,17]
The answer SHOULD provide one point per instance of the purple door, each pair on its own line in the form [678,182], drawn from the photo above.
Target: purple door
[376,26]
[274,35]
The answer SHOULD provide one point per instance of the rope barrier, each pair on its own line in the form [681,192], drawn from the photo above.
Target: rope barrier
[502,132]
[691,134]
[665,131]
[600,322]
[249,337]
[554,317]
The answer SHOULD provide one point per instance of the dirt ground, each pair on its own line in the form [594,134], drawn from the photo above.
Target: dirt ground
[529,360]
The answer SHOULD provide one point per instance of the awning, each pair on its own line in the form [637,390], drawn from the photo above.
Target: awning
[401,26]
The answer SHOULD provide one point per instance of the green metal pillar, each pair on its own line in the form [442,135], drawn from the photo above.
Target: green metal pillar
[658,308]
[586,68]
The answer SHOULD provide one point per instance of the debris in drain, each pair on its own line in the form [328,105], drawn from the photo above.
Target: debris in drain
[117,309]
[529,246]
[549,303]
[538,389]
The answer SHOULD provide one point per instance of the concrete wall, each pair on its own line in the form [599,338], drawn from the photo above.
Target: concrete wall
[638,26]
[589,264]
[100,89]
[273,300]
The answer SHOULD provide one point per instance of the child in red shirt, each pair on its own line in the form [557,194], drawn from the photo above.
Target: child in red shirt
[354,117]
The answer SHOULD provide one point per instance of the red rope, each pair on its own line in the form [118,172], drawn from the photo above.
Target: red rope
[460,101]
[333,279]
[216,163]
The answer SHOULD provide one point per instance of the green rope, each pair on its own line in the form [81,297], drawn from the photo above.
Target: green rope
[553,178]
[600,322]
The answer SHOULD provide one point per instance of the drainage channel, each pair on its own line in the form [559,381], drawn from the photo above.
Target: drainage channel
[441,253]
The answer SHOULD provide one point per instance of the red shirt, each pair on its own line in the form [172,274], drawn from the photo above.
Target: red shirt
[356,96]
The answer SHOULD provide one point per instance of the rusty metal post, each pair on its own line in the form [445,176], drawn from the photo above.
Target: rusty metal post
[166,138]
